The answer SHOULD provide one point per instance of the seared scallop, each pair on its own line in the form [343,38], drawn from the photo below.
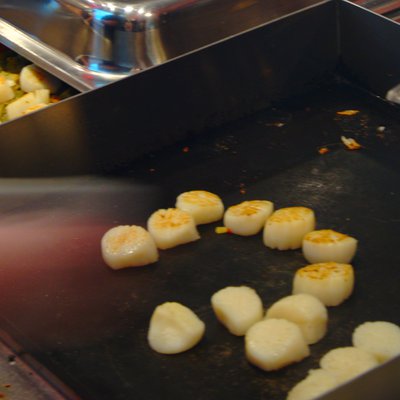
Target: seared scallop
[327,245]
[286,227]
[330,282]
[172,227]
[205,207]
[128,246]
[248,217]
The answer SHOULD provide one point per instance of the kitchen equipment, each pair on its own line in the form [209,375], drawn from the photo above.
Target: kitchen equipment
[245,118]
[89,43]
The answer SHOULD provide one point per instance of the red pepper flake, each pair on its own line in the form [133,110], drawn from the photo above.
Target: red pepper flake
[186,149]
[242,191]
[222,229]
[323,150]
[7,385]
[348,112]
[350,143]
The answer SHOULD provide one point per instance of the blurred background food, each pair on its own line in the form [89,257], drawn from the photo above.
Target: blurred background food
[25,88]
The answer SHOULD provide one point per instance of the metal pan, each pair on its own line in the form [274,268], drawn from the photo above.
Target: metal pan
[89,43]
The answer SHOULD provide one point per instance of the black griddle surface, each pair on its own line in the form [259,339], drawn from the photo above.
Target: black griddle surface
[88,324]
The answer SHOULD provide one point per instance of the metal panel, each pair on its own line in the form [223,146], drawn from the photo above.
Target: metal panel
[222,82]
[88,43]
[369,53]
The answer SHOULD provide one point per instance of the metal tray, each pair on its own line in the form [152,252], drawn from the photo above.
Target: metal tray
[89,43]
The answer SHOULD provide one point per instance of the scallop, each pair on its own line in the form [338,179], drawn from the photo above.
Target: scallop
[172,227]
[248,217]
[272,344]
[237,308]
[128,246]
[328,245]
[380,338]
[33,78]
[286,227]
[205,207]
[174,328]
[330,282]
[317,383]
[306,311]
[345,363]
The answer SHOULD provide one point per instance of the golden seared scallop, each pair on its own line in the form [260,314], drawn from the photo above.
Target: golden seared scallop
[174,328]
[380,338]
[306,311]
[328,245]
[248,217]
[345,363]
[330,282]
[205,207]
[272,344]
[315,384]
[237,308]
[172,227]
[286,227]
[128,246]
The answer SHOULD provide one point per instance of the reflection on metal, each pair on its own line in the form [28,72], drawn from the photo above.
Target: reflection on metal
[125,36]
[89,43]
[388,8]
[53,60]
[25,378]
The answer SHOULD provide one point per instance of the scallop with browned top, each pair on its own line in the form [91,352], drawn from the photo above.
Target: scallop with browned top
[286,227]
[330,282]
[328,245]
[172,227]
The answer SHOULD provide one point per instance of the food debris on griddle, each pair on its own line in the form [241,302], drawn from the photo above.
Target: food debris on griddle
[323,150]
[348,112]
[350,143]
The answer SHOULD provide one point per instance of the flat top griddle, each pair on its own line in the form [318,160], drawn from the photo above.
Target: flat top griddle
[87,324]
